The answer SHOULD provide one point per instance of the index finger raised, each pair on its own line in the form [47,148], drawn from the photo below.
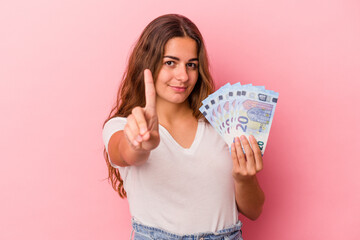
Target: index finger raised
[150,93]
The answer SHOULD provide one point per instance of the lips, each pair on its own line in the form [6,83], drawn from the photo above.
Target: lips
[178,88]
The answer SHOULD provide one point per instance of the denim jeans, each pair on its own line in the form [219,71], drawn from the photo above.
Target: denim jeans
[142,232]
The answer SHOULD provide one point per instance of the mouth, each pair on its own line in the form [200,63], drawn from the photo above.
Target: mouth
[178,89]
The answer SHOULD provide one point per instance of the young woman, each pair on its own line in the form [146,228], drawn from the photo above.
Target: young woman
[176,171]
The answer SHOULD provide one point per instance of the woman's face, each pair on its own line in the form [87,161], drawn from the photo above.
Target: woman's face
[179,70]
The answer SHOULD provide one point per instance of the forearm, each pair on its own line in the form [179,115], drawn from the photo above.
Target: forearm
[123,154]
[133,156]
[249,198]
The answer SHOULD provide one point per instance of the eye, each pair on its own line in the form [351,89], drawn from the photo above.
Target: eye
[169,63]
[192,65]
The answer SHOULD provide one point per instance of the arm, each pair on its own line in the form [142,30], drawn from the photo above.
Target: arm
[249,198]
[248,194]
[123,154]
[132,145]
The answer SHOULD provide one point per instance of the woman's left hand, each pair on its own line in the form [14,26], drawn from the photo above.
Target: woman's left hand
[245,166]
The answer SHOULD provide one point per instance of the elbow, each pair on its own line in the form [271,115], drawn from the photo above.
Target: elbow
[255,212]
[255,215]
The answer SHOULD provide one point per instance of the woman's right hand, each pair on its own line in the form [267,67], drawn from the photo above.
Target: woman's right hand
[142,127]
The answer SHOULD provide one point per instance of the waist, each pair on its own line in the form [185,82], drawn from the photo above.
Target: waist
[232,233]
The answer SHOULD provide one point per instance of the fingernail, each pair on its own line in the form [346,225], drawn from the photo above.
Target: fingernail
[138,138]
[243,137]
[143,130]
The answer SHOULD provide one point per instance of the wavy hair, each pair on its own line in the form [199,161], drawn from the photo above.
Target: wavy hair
[148,53]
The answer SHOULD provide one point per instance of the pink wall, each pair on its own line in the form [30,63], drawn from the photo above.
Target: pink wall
[60,65]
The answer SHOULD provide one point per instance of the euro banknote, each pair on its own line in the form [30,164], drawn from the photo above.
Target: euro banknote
[235,110]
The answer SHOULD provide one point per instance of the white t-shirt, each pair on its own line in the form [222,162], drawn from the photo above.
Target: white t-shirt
[183,191]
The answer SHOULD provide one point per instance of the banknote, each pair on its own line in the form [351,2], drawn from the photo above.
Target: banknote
[235,110]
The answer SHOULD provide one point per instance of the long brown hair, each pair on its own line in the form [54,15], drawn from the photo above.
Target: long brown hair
[148,53]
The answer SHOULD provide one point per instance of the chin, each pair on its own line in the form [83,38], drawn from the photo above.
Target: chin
[178,101]
[175,98]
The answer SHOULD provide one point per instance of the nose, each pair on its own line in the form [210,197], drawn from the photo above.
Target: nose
[181,73]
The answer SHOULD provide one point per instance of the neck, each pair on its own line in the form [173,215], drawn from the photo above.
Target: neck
[171,113]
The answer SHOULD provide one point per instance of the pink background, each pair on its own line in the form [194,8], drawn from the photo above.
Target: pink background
[60,66]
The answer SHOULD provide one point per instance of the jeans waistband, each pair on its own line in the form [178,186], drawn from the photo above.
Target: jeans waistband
[230,233]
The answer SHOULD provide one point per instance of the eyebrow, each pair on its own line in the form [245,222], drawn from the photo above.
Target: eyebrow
[178,59]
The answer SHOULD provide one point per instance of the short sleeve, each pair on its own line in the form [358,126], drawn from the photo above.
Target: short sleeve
[112,126]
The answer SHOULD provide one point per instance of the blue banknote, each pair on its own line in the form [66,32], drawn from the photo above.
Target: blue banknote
[235,110]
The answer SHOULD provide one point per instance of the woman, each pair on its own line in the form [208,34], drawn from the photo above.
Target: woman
[176,171]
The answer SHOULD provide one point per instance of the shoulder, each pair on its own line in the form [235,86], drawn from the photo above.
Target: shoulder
[207,126]
[211,135]
[115,122]
[112,126]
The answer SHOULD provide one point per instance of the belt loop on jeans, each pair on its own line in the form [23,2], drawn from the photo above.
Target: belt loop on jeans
[132,231]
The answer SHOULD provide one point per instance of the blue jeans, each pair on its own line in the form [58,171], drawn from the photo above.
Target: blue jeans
[143,232]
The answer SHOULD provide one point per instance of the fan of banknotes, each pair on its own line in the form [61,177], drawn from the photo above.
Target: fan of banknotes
[235,110]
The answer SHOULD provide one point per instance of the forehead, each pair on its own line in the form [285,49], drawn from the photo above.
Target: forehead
[181,46]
